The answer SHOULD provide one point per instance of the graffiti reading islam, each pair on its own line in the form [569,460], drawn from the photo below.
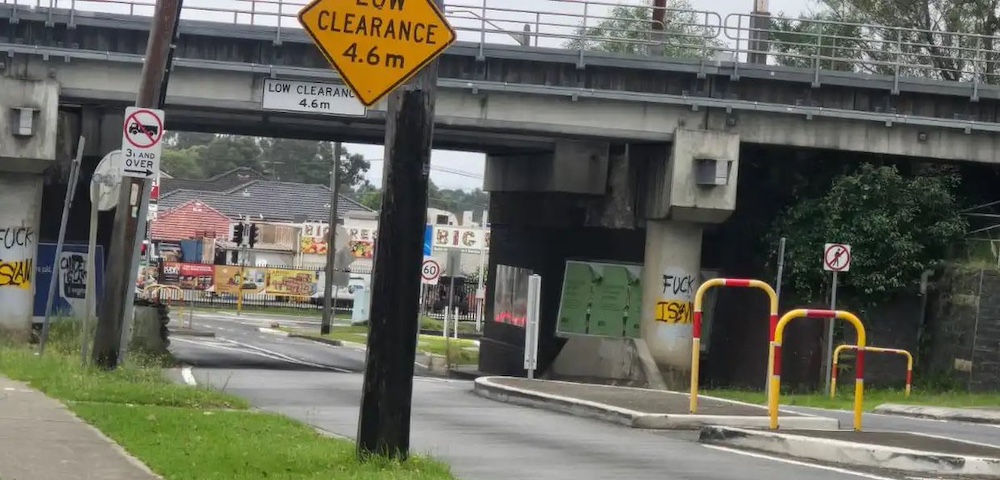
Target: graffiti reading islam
[16,274]
[675,312]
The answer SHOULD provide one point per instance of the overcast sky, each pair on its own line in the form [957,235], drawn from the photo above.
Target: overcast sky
[474,163]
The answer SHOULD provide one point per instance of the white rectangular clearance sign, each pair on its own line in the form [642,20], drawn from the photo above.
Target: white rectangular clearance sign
[142,142]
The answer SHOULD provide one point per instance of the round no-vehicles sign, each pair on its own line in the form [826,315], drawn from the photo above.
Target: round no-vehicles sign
[430,271]
[836,257]
[142,142]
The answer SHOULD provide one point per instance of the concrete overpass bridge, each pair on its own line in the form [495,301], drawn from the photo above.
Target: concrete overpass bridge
[495,96]
[599,149]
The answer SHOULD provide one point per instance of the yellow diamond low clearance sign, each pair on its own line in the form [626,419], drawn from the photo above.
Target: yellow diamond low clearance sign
[377,45]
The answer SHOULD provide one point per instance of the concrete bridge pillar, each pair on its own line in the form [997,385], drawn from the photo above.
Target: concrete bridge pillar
[28,126]
[692,185]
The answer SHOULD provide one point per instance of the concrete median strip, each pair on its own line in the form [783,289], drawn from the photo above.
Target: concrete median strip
[282,333]
[190,332]
[272,331]
[489,387]
[971,415]
[864,454]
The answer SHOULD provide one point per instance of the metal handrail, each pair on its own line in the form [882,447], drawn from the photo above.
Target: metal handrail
[821,45]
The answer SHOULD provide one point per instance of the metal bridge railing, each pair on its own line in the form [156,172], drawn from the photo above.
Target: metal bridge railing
[583,26]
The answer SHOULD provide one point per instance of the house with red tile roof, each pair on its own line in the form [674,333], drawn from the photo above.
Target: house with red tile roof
[189,220]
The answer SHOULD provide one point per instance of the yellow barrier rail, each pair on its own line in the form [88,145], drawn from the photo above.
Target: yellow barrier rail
[779,335]
[841,348]
[696,334]
[155,290]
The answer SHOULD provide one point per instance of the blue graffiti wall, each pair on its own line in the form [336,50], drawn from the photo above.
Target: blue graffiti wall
[71,283]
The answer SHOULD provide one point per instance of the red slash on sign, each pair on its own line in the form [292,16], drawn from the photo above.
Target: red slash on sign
[836,257]
[143,129]
[142,142]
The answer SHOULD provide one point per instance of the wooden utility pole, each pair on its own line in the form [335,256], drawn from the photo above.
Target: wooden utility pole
[656,26]
[121,275]
[329,303]
[384,423]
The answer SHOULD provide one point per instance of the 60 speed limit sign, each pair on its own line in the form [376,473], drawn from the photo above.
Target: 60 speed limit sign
[430,271]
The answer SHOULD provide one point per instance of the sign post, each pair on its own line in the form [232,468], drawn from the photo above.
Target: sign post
[430,271]
[378,46]
[130,215]
[836,259]
[142,142]
[531,325]
[74,176]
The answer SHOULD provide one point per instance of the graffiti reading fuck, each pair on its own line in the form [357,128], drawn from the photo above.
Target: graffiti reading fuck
[678,285]
[17,252]
[676,303]
[16,237]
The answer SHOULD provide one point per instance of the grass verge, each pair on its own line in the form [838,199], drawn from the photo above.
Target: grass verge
[463,351]
[310,312]
[186,433]
[872,398]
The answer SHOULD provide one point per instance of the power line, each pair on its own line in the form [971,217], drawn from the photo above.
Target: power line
[453,171]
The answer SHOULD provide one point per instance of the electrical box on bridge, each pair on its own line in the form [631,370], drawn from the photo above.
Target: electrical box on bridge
[711,172]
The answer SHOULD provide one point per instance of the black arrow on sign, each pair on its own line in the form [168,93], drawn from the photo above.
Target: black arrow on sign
[147,171]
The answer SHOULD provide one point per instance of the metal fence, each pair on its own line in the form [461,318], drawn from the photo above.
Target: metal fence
[587,26]
[201,291]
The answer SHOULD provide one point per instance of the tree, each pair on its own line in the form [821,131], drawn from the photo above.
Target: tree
[186,140]
[182,163]
[455,201]
[938,39]
[898,226]
[226,152]
[200,155]
[306,161]
[819,37]
[628,29]
[369,196]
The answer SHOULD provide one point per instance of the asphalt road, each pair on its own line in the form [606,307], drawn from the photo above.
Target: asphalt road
[970,432]
[481,439]
[238,343]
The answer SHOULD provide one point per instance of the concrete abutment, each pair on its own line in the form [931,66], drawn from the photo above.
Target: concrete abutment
[28,122]
[641,204]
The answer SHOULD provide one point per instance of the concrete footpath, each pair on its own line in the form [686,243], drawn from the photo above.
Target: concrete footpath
[636,407]
[910,452]
[971,415]
[40,439]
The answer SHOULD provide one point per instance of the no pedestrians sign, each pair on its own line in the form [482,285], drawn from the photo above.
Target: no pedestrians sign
[836,257]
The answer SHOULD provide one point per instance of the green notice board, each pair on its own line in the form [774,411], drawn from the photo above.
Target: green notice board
[600,299]
[574,305]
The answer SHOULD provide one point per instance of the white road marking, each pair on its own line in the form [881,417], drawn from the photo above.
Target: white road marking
[282,358]
[798,463]
[287,358]
[188,377]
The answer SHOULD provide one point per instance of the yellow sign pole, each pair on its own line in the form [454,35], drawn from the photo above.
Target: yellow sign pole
[239,292]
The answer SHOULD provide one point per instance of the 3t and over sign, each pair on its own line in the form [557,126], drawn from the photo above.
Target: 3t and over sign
[142,142]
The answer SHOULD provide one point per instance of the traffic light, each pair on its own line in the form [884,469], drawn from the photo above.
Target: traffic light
[253,234]
[238,233]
